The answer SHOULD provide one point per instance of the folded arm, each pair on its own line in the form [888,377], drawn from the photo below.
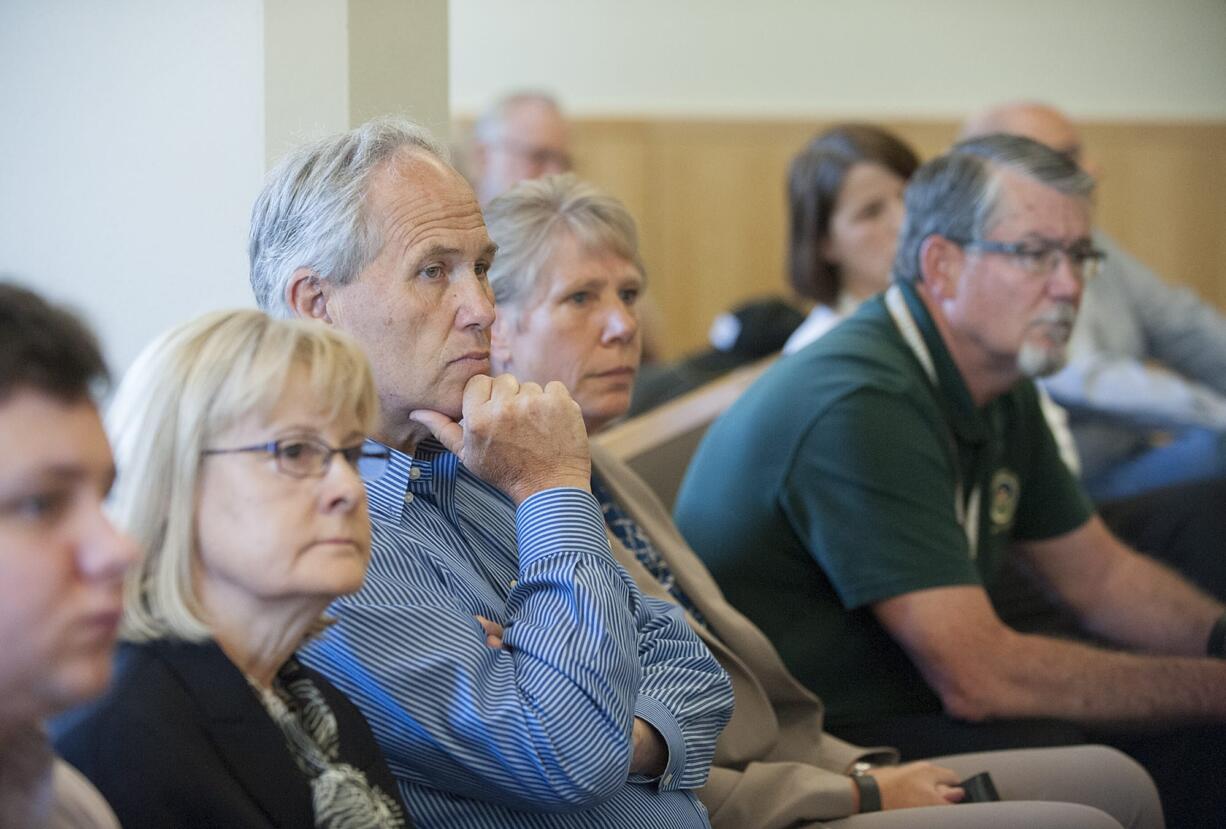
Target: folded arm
[1121,595]
[1137,393]
[685,695]
[544,723]
[982,669]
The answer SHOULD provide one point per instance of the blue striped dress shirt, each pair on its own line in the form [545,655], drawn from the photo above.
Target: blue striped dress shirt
[536,734]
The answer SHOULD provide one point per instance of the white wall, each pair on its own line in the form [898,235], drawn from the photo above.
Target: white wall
[136,132]
[938,58]
[398,58]
[132,149]
[306,79]
[136,135]
[334,63]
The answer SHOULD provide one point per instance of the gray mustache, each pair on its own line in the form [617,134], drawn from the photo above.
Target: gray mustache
[1062,314]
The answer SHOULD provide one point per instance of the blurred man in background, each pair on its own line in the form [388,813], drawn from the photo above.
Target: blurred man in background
[1145,384]
[522,136]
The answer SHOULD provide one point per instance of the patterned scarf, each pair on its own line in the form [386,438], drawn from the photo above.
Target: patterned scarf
[341,795]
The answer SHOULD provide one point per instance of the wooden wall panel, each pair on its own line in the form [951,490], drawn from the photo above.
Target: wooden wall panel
[1163,195]
[709,198]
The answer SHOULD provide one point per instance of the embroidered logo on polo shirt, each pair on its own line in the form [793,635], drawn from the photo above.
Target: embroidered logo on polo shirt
[1005,489]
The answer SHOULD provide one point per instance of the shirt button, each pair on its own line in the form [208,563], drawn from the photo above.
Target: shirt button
[513,583]
[408,497]
[415,473]
[666,779]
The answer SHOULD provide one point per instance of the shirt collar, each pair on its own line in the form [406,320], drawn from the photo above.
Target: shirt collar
[405,473]
[968,422]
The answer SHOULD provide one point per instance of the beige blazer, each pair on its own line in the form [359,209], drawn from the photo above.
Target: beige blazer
[774,766]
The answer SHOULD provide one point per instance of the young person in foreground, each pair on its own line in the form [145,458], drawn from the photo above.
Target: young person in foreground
[61,561]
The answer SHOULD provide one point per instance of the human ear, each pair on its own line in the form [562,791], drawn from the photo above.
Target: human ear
[307,295]
[940,266]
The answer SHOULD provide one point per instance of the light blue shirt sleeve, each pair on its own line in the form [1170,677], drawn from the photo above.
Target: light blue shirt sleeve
[685,695]
[543,724]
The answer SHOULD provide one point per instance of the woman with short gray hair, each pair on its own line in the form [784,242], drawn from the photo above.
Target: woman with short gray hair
[538,218]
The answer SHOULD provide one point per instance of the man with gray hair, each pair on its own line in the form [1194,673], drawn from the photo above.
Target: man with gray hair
[1145,384]
[522,136]
[510,669]
[882,475]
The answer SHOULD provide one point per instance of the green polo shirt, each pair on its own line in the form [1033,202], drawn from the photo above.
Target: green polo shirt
[830,485]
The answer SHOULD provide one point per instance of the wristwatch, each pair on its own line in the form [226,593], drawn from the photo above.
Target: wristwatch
[866,784]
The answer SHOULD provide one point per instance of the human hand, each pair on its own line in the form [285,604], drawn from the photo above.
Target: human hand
[650,751]
[916,784]
[493,632]
[519,438]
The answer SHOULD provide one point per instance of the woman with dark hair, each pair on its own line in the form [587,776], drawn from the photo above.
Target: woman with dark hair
[845,209]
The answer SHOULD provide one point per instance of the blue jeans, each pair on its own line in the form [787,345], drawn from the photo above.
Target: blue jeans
[1196,454]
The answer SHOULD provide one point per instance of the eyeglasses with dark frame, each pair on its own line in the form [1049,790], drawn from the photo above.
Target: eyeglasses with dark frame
[1042,258]
[310,458]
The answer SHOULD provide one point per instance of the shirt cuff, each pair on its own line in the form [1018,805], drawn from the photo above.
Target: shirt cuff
[560,520]
[661,719]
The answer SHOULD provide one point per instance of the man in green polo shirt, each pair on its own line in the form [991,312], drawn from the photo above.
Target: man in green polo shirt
[859,499]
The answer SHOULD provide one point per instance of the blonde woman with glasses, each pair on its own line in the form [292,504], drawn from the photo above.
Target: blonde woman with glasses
[240,439]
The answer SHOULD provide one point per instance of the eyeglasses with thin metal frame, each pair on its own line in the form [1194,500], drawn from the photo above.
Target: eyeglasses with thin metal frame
[1042,259]
[310,458]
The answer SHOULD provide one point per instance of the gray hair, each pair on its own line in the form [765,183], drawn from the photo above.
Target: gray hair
[310,213]
[489,127]
[527,221]
[957,195]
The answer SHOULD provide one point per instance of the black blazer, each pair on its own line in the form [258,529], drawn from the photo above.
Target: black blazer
[181,739]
